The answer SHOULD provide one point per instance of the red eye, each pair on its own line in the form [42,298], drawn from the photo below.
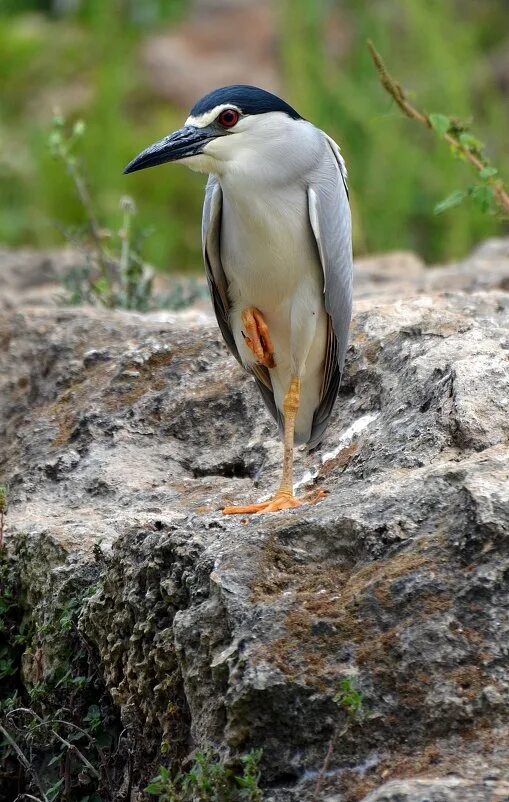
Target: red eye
[228,118]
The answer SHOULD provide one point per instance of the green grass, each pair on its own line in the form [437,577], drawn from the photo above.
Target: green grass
[90,61]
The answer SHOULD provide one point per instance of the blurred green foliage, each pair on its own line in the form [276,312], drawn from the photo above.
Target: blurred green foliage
[437,48]
[88,57]
[91,61]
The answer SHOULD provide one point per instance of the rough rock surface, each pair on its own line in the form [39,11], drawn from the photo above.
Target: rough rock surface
[122,436]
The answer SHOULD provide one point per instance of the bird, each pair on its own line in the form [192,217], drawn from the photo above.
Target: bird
[277,249]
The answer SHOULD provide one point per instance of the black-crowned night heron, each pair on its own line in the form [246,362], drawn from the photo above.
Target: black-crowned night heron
[277,248]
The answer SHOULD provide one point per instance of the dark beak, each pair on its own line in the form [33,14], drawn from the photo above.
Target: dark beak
[188,141]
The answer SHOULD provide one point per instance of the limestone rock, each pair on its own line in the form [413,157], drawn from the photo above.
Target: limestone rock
[448,789]
[122,435]
[402,273]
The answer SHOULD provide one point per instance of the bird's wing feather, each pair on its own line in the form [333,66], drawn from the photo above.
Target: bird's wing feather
[211,243]
[329,214]
[218,286]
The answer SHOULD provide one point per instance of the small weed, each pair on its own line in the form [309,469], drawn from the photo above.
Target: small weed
[113,273]
[250,778]
[9,615]
[350,701]
[210,780]
[11,648]
[38,691]
[93,718]
[58,736]
[164,787]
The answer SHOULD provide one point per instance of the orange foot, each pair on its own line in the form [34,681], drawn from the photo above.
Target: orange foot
[257,336]
[281,501]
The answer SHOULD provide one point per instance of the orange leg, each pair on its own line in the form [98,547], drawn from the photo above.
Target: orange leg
[284,498]
[257,336]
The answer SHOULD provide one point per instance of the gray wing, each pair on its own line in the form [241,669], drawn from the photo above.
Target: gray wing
[329,215]
[218,285]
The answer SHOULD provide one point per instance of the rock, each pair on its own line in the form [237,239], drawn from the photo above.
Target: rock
[448,789]
[122,435]
[403,273]
[30,276]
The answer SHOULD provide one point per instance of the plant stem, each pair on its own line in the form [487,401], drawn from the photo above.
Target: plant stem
[86,202]
[124,253]
[328,757]
[24,795]
[3,509]
[23,760]
[74,727]
[396,91]
[71,747]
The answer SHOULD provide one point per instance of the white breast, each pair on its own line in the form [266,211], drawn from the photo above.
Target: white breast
[271,261]
[267,245]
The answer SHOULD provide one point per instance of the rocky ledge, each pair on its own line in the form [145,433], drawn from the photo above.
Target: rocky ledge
[123,435]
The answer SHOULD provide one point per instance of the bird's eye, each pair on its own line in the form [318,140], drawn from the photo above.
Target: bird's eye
[228,118]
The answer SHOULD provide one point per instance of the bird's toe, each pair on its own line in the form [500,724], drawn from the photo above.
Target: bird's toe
[281,501]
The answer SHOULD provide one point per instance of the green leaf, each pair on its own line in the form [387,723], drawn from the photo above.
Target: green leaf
[4,606]
[56,759]
[488,172]
[157,785]
[52,792]
[450,202]
[102,287]
[93,713]
[75,736]
[154,788]
[469,141]
[78,128]
[440,123]
[55,140]
[7,668]
[482,195]
[350,699]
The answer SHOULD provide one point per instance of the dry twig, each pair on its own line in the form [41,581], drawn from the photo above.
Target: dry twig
[24,761]
[70,747]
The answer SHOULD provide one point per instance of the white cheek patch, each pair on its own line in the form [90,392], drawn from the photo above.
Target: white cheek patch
[209,116]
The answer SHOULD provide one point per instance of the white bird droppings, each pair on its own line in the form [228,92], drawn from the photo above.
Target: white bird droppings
[346,438]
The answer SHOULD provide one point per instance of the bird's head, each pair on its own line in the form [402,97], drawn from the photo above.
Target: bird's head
[227,130]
